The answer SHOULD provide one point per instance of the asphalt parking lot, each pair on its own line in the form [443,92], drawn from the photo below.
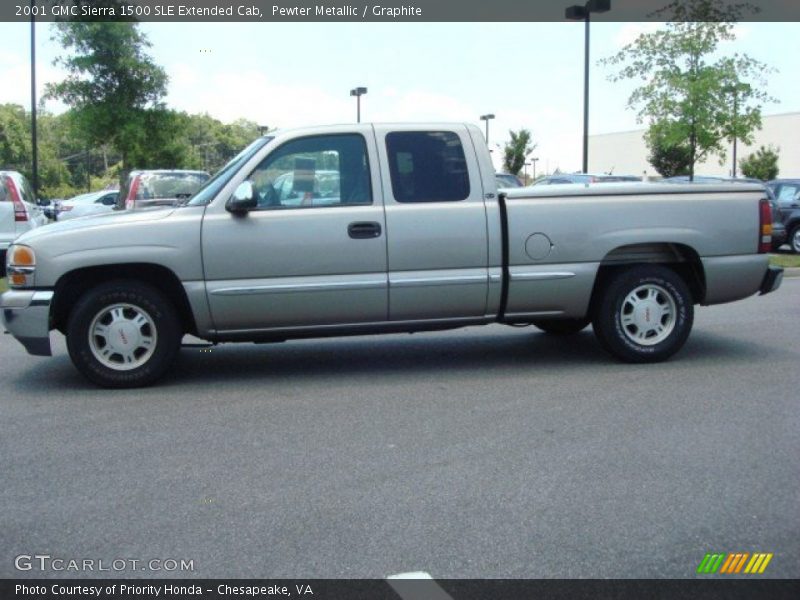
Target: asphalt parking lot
[485,452]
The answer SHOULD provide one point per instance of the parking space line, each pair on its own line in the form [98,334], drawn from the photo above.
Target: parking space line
[417,585]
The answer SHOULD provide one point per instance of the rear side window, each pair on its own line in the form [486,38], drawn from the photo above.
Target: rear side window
[427,166]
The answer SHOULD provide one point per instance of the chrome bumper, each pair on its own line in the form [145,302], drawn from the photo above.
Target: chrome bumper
[772,280]
[26,315]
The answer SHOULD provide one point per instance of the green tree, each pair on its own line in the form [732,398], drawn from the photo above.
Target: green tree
[15,138]
[693,94]
[111,83]
[670,153]
[517,150]
[762,164]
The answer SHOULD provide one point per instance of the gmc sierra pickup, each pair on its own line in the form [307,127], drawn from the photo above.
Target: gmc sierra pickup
[364,229]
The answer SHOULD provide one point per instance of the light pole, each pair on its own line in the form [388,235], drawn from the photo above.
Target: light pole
[262,129]
[34,146]
[358,92]
[534,160]
[487,118]
[526,165]
[582,13]
[735,89]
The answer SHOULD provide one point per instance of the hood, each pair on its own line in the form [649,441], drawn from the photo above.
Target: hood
[112,219]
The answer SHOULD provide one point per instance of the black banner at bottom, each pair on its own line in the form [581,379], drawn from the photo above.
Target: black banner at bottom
[402,589]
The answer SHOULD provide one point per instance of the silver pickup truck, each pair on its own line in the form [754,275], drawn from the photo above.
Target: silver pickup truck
[364,229]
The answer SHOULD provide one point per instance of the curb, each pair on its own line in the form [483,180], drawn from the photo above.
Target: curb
[791,272]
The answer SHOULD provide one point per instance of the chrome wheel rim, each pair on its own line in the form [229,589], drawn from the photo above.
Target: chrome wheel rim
[122,337]
[648,315]
[796,240]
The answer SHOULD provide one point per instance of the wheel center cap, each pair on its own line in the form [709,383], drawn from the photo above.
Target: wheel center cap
[125,337]
[648,314]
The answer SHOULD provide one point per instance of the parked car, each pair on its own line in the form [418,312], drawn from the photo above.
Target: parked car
[92,203]
[145,189]
[507,180]
[585,178]
[787,196]
[19,211]
[779,236]
[427,244]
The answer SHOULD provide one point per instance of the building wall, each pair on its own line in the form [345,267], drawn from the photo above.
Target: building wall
[625,153]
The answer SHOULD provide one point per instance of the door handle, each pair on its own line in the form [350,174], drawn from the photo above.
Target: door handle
[364,230]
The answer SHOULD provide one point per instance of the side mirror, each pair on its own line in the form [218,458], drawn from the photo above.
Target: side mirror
[243,199]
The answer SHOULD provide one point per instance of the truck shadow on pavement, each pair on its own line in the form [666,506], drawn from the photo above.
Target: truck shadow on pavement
[466,354]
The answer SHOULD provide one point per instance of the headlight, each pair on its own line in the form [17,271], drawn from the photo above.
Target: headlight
[20,265]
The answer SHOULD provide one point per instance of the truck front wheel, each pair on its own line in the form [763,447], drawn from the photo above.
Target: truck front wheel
[645,314]
[123,334]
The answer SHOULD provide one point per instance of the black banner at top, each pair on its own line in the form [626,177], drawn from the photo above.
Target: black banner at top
[277,11]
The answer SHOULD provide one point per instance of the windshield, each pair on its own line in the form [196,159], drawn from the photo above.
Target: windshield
[217,182]
[175,184]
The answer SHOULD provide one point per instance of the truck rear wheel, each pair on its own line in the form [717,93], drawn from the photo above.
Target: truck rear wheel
[645,314]
[123,334]
[562,326]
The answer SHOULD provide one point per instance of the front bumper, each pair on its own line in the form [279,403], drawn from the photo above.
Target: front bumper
[26,315]
[772,280]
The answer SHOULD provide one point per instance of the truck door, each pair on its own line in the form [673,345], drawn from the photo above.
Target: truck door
[436,223]
[313,252]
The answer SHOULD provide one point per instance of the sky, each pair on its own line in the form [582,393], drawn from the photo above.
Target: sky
[295,74]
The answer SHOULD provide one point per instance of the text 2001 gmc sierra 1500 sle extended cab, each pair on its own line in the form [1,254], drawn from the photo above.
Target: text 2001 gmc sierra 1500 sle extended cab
[359,229]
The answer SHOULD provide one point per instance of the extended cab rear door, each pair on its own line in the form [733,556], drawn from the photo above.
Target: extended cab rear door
[436,223]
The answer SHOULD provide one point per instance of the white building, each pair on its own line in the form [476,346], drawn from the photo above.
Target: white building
[625,152]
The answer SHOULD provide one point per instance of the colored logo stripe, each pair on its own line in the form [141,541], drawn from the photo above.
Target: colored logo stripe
[710,563]
[734,562]
[758,563]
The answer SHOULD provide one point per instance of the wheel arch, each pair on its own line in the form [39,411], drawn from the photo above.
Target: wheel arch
[73,284]
[681,258]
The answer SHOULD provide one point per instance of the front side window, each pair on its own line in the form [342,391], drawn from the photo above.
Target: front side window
[427,166]
[329,170]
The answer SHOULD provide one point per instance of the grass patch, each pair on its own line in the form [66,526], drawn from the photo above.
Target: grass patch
[785,260]
[3,285]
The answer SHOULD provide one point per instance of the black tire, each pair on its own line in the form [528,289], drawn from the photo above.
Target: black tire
[2,263]
[158,338]
[644,337]
[794,239]
[562,326]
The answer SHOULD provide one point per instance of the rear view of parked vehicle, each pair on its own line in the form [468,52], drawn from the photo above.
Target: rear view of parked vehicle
[145,189]
[18,210]
[787,198]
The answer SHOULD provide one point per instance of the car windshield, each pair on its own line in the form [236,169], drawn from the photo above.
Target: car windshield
[176,184]
[212,187]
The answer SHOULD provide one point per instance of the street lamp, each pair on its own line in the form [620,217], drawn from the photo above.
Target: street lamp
[358,92]
[34,145]
[534,160]
[262,129]
[582,13]
[735,89]
[486,118]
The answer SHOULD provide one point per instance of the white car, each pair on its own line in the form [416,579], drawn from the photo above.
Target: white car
[18,210]
[93,203]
